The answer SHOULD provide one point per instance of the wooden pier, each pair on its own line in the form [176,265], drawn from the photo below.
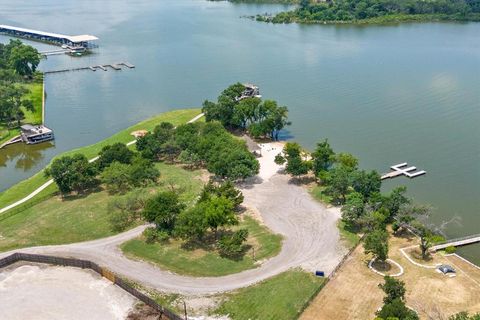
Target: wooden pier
[54,52]
[400,170]
[114,66]
[458,242]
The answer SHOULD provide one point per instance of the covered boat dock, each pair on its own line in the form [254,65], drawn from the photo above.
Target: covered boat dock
[80,41]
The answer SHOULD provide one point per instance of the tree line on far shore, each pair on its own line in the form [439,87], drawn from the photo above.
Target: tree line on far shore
[18,64]
[345,11]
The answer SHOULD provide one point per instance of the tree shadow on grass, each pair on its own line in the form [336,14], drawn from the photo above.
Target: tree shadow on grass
[209,242]
[404,234]
[382,266]
[81,195]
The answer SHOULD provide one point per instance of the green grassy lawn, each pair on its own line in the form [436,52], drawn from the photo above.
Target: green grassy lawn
[35,95]
[318,194]
[59,221]
[350,237]
[27,186]
[282,297]
[34,117]
[202,262]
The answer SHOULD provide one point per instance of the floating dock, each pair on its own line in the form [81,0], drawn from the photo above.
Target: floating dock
[400,170]
[114,66]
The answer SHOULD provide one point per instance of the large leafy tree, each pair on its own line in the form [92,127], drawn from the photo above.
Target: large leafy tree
[393,288]
[394,301]
[191,224]
[24,59]
[224,109]
[73,173]
[366,183]
[353,209]
[396,200]
[12,103]
[116,177]
[293,155]
[376,243]
[225,189]
[118,152]
[163,210]
[338,181]
[323,157]
[262,119]
[219,212]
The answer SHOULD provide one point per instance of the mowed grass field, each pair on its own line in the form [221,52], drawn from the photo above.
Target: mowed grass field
[281,297]
[82,218]
[24,188]
[353,292]
[202,262]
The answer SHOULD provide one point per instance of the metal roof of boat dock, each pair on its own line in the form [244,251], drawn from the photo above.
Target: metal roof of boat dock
[79,38]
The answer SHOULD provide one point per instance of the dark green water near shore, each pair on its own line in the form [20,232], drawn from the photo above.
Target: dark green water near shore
[388,94]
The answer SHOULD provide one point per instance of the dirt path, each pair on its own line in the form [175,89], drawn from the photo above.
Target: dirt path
[311,238]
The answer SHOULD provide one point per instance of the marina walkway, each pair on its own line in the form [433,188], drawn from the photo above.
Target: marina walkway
[114,66]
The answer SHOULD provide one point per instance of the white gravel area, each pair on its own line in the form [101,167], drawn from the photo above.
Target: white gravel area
[37,293]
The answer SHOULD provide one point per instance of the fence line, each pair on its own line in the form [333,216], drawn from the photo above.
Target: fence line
[165,313]
[331,275]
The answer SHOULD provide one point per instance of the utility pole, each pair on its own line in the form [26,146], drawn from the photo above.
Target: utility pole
[185,309]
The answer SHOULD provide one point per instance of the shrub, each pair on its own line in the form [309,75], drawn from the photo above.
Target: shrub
[153,235]
[126,210]
[120,220]
[116,177]
[233,244]
[450,249]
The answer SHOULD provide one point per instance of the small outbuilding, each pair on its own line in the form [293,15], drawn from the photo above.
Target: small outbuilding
[32,134]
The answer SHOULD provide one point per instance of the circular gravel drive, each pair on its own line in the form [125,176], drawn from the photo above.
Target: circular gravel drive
[311,238]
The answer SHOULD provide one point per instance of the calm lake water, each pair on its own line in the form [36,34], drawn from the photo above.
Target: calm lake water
[388,94]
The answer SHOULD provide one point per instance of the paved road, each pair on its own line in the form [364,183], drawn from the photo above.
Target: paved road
[311,239]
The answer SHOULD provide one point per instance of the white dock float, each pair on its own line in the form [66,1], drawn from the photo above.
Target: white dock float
[399,170]
[126,64]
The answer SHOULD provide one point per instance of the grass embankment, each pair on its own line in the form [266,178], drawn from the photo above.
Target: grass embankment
[33,117]
[74,219]
[282,297]
[205,262]
[24,188]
